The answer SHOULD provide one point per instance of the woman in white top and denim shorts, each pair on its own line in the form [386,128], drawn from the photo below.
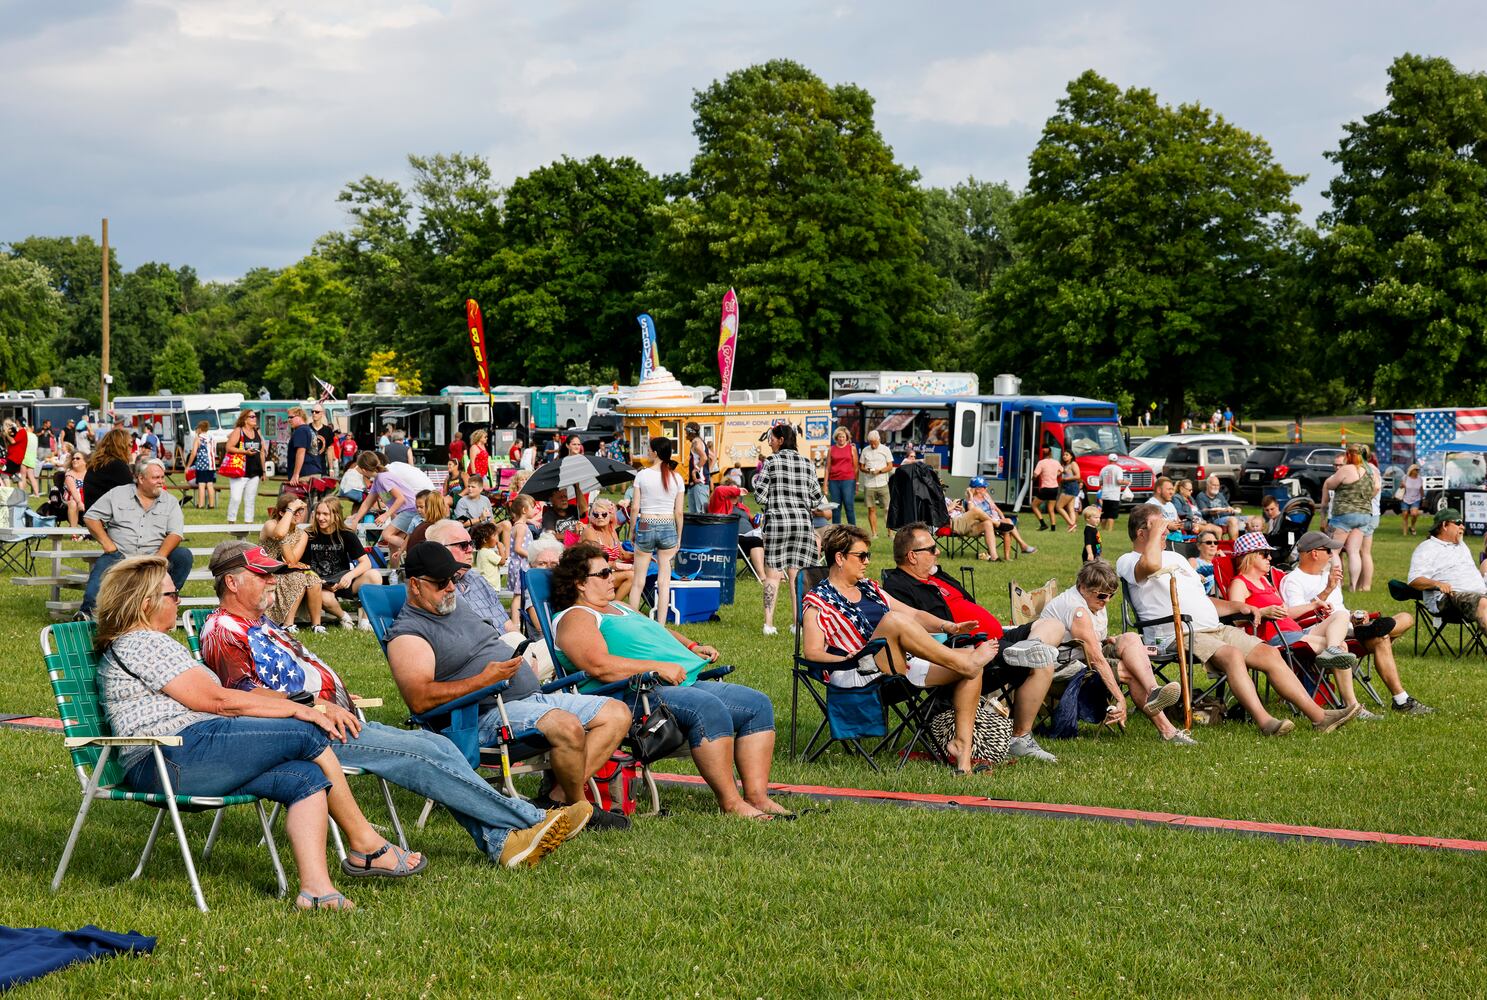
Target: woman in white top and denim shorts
[656,513]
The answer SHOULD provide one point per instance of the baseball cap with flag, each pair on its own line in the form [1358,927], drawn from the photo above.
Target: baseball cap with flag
[237,554]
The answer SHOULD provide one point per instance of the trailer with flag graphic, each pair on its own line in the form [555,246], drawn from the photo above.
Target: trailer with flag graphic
[1447,442]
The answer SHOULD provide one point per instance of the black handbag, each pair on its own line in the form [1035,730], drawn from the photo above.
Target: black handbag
[655,733]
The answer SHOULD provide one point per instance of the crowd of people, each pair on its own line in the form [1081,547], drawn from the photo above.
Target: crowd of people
[265,714]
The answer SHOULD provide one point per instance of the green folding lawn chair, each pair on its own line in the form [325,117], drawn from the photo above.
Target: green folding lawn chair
[72,667]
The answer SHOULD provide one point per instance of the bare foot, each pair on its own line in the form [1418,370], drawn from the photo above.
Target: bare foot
[984,654]
[961,759]
[747,811]
[769,805]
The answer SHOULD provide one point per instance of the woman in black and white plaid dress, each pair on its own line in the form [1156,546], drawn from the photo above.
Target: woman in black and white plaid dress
[788,486]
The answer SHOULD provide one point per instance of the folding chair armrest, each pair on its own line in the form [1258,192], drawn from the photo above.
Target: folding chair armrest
[559,683]
[473,698]
[74,742]
[1236,618]
[716,672]
[362,703]
[1141,623]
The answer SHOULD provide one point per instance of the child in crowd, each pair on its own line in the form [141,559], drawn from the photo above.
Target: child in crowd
[525,526]
[487,555]
[1091,533]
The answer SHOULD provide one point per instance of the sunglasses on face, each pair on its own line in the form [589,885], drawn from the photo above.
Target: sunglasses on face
[1103,597]
[172,595]
[605,573]
[466,544]
[437,582]
[924,548]
[598,514]
[1208,541]
[864,555]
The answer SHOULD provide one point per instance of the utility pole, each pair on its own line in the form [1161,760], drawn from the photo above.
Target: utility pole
[103,394]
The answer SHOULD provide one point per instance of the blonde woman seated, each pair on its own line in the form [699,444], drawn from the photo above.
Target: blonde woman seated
[232,742]
[847,610]
[601,531]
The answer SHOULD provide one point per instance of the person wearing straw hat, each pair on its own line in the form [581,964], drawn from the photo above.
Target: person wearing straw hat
[1222,649]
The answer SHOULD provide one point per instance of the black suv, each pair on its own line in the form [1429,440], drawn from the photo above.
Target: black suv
[1269,464]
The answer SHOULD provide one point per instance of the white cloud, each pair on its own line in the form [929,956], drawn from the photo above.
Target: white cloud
[1018,85]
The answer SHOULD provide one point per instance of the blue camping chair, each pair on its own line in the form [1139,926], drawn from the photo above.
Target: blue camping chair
[849,715]
[539,592]
[459,720]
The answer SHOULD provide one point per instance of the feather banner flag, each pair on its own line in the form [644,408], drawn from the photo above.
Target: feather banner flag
[650,358]
[727,344]
[477,343]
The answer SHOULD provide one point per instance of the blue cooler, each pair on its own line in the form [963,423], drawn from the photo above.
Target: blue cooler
[709,551]
[1281,493]
[693,601]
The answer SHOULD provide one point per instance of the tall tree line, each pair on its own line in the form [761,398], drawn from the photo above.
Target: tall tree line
[1155,255]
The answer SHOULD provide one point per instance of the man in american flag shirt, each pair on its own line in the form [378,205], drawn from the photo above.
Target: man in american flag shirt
[247,650]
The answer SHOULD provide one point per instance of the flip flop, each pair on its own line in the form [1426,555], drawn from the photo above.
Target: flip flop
[359,865]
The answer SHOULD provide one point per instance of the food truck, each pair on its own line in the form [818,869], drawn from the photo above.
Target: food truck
[430,421]
[177,417]
[273,424]
[919,383]
[998,437]
[662,407]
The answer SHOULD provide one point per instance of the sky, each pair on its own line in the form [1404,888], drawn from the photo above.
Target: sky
[217,133]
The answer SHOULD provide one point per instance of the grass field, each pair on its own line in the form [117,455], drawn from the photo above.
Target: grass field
[851,899]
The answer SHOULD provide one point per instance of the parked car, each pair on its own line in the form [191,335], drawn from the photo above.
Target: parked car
[1153,451]
[1269,464]
[1199,461]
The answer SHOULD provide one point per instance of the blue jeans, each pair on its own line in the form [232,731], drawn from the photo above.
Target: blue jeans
[427,764]
[180,568]
[843,493]
[697,497]
[269,758]
[714,710]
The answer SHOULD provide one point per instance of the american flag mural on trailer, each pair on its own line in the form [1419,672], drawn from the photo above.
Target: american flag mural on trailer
[1406,434]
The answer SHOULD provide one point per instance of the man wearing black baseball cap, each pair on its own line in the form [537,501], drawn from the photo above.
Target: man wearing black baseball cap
[248,650]
[440,649]
[1443,568]
[1316,583]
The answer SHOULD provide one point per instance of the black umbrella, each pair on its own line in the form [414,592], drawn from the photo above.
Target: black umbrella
[582,471]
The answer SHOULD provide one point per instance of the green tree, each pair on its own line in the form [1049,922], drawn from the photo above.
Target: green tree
[794,200]
[232,385]
[143,308]
[387,363]
[968,234]
[175,368]
[579,244]
[79,376]
[31,320]
[1150,241]
[76,266]
[307,332]
[1401,274]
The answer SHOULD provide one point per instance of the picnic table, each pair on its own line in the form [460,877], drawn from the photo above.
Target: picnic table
[58,577]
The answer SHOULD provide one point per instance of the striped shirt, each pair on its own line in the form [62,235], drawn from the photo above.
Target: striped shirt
[847,626]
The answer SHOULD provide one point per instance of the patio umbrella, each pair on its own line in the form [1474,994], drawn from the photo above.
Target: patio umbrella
[581,471]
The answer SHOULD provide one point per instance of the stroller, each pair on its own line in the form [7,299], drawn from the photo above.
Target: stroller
[1295,521]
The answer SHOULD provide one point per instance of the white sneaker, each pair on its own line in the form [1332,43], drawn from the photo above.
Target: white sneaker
[771,630]
[291,627]
[317,629]
[347,624]
[1030,653]
[1026,746]
[365,624]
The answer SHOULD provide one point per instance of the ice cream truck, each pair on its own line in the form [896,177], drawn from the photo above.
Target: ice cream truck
[999,437]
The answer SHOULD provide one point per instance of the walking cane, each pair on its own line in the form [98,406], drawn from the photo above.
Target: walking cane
[1185,674]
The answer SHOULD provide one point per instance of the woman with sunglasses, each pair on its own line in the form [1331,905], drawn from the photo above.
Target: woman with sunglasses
[232,742]
[729,727]
[847,610]
[1205,547]
[601,531]
[1082,611]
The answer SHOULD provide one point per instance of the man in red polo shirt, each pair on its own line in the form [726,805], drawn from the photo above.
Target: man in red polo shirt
[1027,655]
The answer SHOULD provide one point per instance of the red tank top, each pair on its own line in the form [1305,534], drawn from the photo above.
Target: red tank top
[840,464]
[1264,595]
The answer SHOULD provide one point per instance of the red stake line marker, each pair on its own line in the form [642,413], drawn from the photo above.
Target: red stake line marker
[1052,810]
[1130,817]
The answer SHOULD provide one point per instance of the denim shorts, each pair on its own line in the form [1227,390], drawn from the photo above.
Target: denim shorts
[1353,522]
[1405,505]
[405,521]
[651,535]
[525,713]
[714,710]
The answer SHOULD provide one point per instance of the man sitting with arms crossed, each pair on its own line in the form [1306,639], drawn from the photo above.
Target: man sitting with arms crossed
[440,649]
[1081,613]
[1319,584]
[137,520]
[1026,656]
[250,652]
[1442,567]
[1221,648]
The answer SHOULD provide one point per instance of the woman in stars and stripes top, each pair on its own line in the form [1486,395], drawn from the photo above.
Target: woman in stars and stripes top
[847,610]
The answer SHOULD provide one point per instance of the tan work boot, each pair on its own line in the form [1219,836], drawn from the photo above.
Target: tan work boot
[577,815]
[529,846]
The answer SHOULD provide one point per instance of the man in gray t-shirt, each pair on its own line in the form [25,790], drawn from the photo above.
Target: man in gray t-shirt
[440,651]
[137,520]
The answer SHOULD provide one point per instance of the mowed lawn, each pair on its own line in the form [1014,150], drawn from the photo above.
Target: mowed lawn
[849,900]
